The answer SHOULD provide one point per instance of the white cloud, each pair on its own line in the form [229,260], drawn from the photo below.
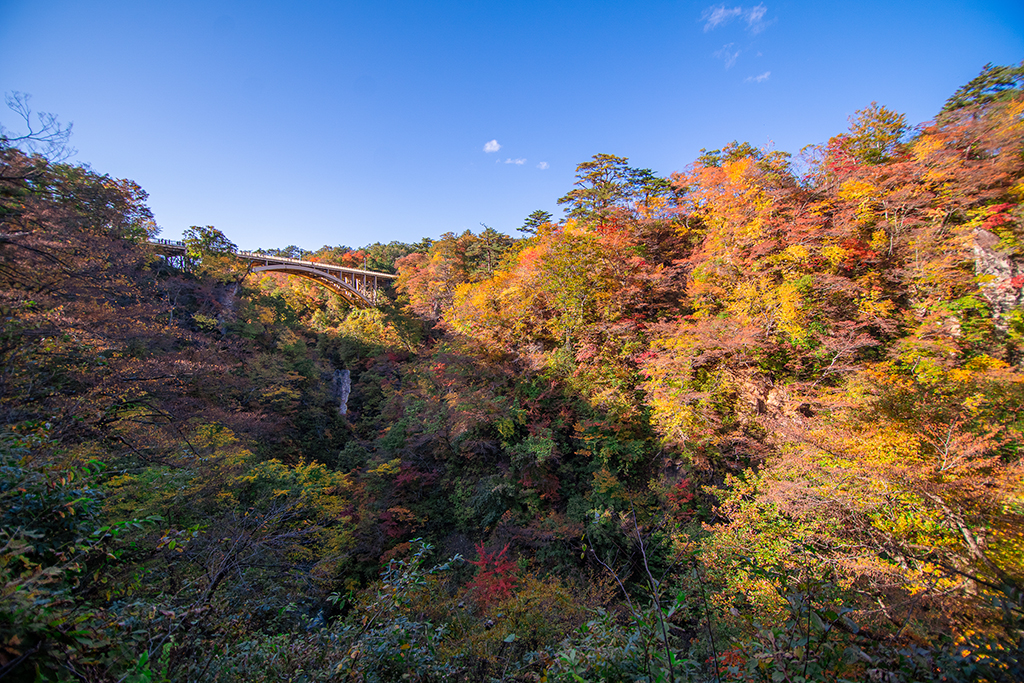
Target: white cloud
[492,146]
[758,79]
[716,15]
[542,165]
[755,14]
[719,15]
[755,18]
[727,55]
[517,162]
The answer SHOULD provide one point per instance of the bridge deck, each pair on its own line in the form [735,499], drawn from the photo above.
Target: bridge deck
[358,286]
[179,247]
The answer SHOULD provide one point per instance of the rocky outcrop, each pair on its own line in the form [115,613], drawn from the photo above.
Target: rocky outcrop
[1005,286]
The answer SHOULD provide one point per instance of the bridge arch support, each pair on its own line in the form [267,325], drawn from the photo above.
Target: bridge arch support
[350,291]
[358,287]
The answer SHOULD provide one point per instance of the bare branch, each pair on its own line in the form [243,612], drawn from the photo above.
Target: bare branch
[48,139]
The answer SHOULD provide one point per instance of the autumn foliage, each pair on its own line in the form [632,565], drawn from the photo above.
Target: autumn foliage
[760,419]
[495,578]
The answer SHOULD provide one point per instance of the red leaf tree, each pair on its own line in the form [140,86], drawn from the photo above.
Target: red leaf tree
[495,576]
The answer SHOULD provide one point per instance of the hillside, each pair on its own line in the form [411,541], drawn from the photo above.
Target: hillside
[758,420]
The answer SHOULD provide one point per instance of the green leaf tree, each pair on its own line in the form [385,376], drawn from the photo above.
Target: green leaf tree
[534,221]
[994,83]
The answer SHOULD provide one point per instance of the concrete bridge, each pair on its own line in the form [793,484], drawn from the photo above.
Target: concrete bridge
[358,287]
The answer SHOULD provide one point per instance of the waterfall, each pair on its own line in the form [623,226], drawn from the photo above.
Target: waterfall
[342,388]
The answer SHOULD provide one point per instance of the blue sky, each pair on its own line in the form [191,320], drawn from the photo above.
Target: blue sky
[354,122]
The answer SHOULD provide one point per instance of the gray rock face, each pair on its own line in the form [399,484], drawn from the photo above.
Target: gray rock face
[1006,271]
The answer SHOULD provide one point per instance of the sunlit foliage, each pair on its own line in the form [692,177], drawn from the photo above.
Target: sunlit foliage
[758,420]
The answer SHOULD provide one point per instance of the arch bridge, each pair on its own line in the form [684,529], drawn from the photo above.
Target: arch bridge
[358,287]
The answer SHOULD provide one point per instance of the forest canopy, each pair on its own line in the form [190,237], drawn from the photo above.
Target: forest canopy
[756,420]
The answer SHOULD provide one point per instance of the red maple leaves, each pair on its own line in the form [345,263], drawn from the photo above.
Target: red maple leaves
[495,577]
